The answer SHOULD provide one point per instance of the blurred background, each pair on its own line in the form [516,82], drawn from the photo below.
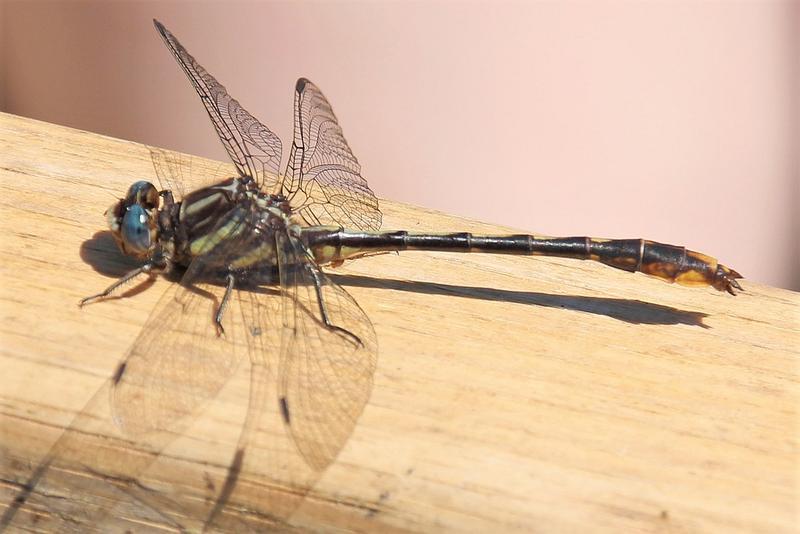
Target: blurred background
[675,121]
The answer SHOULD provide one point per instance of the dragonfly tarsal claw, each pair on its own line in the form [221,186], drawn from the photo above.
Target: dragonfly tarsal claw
[149,269]
[96,297]
[88,300]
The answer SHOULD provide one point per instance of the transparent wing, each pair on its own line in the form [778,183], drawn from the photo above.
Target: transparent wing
[293,428]
[253,148]
[84,476]
[182,174]
[297,427]
[323,178]
[175,365]
[325,371]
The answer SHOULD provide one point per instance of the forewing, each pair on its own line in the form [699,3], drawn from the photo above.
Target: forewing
[325,373]
[323,177]
[89,471]
[182,174]
[175,365]
[253,148]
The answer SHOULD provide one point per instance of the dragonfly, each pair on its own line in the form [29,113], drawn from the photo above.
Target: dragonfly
[251,246]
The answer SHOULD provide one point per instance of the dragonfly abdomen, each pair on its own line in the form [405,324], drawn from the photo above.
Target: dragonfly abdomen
[667,262]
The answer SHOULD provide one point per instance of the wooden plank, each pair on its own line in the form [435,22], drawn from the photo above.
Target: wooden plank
[511,393]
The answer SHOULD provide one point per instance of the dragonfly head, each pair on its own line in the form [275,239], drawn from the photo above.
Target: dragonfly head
[133,220]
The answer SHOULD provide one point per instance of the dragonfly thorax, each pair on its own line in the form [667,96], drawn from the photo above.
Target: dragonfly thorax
[147,223]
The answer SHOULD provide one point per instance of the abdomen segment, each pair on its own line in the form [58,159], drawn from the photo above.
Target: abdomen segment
[667,262]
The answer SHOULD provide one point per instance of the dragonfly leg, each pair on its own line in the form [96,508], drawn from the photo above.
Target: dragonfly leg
[150,269]
[323,310]
[223,305]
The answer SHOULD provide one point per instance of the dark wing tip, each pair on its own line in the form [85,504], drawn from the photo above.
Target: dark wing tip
[301,84]
[162,30]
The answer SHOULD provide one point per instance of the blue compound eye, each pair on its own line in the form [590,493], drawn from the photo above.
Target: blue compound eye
[135,230]
[143,193]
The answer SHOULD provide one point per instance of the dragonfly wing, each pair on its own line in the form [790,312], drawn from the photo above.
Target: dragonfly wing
[323,177]
[324,380]
[154,396]
[182,174]
[253,148]
[325,373]
[179,361]
[83,476]
[176,364]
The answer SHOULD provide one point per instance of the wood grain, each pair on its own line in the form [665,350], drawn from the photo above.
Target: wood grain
[513,394]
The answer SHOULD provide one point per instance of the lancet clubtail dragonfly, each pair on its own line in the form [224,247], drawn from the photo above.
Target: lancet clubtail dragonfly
[246,234]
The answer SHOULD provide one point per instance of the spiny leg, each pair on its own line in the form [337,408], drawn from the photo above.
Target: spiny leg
[149,269]
[323,310]
[223,305]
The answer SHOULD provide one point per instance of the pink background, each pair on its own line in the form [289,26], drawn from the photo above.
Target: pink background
[675,121]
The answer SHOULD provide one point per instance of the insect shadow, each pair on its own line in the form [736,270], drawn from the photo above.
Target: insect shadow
[101,253]
[627,310]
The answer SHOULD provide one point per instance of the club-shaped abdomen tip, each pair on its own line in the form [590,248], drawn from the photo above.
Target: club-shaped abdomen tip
[725,279]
